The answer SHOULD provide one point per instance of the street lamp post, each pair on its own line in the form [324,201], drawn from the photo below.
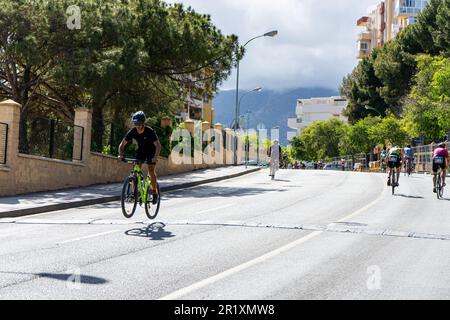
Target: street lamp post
[236,118]
[237,125]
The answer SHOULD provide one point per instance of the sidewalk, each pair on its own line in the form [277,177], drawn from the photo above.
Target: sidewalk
[41,202]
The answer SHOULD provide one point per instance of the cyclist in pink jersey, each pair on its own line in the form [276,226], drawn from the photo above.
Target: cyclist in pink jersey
[440,160]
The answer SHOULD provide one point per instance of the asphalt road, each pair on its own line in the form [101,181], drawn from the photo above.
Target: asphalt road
[305,235]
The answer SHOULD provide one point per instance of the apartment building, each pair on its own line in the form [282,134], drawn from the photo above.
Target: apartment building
[384,21]
[198,102]
[316,109]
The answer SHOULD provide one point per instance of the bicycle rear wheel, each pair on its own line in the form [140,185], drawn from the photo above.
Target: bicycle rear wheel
[439,190]
[152,210]
[393,182]
[129,197]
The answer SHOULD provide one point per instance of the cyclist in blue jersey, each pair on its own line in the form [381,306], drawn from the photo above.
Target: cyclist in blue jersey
[408,158]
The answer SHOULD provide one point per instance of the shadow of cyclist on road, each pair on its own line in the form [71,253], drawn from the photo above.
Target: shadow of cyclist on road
[154,231]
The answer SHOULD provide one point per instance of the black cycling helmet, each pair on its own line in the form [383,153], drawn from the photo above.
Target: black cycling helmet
[138,117]
[408,146]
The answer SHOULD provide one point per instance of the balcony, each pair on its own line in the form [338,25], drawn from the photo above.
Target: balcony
[364,37]
[405,9]
[363,22]
[295,123]
[362,54]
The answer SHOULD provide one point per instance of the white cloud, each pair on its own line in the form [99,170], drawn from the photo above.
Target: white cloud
[315,46]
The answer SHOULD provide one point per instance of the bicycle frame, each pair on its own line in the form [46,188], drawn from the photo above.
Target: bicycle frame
[137,173]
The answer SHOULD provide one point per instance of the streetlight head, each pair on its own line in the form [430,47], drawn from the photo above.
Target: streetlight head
[257,89]
[271,33]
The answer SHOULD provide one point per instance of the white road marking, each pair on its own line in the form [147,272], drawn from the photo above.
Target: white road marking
[215,209]
[229,272]
[89,237]
[196,286]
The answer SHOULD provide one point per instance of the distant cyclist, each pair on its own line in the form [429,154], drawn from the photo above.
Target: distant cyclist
[148,150]
[394,158]
[440,160]
[383,156]
[274,154]
[408,158]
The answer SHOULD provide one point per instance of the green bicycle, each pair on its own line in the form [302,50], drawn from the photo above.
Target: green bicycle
[137,189]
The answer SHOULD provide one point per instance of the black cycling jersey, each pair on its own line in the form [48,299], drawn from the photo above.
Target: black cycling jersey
[146,140]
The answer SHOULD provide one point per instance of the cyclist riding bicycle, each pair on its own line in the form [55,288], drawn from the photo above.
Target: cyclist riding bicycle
[408,158]
[274,153]
[148,150]
[383,156]
[395,156]
[440,160]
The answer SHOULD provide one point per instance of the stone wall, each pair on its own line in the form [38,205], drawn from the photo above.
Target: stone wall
[26,173]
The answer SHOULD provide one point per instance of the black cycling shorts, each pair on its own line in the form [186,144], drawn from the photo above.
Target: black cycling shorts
[436,166]
[396,164]
[145,157]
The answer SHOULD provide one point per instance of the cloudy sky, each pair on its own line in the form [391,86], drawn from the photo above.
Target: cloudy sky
[315,46]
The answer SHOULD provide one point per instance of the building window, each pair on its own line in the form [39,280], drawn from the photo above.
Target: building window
[363,46]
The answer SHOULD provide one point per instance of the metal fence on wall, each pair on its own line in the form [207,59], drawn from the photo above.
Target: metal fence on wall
[359,162]
[423,157]
[110,138]
[53,139]
[3,142]
[422,161]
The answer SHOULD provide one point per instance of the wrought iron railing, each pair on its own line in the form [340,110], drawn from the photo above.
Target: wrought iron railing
[54,139]
[3,142]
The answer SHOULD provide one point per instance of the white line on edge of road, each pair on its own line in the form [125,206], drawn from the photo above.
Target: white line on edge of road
[214,209]
[89,237]
[184,291]
[229,272]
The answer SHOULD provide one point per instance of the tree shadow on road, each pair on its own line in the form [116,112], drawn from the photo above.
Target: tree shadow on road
[216,191]
[154,231]
[408,196]
[84,279]
[73,278]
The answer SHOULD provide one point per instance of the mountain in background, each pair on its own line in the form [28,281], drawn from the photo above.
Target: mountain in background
[271,108]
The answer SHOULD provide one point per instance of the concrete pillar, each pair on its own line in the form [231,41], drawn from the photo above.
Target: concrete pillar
[166,122]
[190,126]
[9,145]
[218,126]
[205,126]
[83,118]
[10,115]
[229,152]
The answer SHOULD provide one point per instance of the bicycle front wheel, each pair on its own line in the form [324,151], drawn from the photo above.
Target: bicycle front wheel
[129,197]
[152,210]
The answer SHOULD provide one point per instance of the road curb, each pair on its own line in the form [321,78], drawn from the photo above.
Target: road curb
[90,202]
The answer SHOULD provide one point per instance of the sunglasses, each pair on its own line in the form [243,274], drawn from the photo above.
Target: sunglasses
[138,124]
